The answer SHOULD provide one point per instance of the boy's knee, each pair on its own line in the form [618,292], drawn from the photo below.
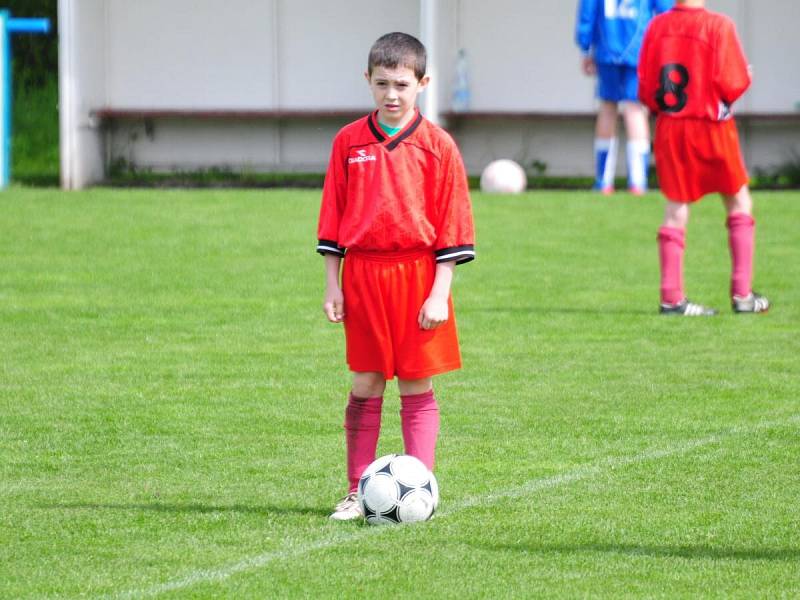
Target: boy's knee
[676,214]
[740,202]
[412,387]
[368,384]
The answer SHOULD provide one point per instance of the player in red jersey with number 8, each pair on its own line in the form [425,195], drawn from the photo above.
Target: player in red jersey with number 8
[396,208]
[691,70]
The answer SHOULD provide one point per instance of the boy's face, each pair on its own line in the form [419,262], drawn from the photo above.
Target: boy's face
[395,93]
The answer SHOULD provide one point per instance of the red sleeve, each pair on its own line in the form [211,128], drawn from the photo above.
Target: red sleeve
[731,72]
[334,193]
[455,233]
[646,70]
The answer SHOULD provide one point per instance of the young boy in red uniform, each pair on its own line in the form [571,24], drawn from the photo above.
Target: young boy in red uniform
[396,206]
[691,70]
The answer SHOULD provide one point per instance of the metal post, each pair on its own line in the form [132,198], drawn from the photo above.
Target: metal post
[8,25]
[430,97]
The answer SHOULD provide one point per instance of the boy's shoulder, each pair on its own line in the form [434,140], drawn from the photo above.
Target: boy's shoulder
[701,22]
[721,20]
[435,138]
[354,129]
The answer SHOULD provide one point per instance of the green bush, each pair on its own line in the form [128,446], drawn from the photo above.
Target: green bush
[35,56]
[34,143]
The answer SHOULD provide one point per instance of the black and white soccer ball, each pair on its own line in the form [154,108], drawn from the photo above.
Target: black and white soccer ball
[397,488]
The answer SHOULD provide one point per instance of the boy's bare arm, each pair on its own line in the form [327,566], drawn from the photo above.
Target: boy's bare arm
[434,310]
[333,305]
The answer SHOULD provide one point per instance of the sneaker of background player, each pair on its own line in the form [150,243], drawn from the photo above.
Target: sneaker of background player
[687,309]
[347,509]
[752,303]
[605,190]
[637,191]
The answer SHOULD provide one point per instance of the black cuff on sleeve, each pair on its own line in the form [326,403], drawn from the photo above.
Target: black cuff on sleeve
[329,247]
[460,254]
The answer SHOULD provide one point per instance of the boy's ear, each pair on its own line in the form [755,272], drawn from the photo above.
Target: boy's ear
[423,83]
[366,76]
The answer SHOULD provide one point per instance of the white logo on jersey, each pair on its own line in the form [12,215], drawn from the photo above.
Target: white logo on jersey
[621,9]
[362,157]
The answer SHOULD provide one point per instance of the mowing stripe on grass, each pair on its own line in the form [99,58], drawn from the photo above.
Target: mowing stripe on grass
[527,488]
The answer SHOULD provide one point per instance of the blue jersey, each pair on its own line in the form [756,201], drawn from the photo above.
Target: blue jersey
[612,30]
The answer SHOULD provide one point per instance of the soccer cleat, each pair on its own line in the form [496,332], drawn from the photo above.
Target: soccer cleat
[607,190]
[685,308]
[347,509]
[752,303]
[637,191]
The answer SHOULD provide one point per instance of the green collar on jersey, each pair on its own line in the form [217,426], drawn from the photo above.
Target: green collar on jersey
[390,131]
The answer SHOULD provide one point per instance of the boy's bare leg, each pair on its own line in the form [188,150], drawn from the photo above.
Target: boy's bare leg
[676,214]
[419,414]
[605,146]
[635,117]
[368,384]
[412,387]
[606,124]
[637,128]
[740,202]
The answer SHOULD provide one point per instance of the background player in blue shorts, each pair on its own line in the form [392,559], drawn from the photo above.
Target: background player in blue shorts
[610,32]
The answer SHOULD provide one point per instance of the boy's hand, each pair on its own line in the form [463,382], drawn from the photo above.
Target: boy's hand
[333,305]
[588,66]
[433,313]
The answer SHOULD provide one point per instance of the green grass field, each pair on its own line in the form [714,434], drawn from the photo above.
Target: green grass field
[172,398]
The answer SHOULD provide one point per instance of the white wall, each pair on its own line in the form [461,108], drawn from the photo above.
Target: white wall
[267,55]
[522,57]
[190,53]
[246,54]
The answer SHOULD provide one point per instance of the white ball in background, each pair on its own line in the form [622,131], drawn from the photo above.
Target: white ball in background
[503,176]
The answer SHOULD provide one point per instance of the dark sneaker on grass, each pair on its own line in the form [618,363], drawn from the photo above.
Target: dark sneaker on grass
[686,309]
[753,303]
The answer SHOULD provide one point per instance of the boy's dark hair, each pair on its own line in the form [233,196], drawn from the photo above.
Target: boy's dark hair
[398,49]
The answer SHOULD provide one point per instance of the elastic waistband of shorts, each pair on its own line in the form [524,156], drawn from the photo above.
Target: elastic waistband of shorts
[389,256]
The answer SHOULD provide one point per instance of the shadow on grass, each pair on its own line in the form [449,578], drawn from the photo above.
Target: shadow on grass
[691,552]
[192,508]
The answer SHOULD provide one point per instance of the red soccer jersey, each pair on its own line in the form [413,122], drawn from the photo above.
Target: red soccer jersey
[395,194]
[692,65]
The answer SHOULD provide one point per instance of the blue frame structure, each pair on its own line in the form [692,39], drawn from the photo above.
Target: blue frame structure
[9,26]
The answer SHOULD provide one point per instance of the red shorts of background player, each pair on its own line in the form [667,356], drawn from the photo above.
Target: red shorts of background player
[695,157]
[383,294]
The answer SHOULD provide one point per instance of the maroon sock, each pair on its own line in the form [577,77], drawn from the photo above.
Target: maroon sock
[419,415]
[671,242]
[741,235]
[362,423]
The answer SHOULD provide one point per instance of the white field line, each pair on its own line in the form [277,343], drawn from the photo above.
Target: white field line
[530,487]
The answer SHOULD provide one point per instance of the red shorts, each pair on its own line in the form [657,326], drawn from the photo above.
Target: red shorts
[383,294]
[695,157]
